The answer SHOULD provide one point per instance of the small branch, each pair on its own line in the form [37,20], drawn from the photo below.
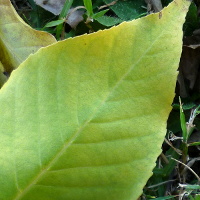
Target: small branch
[162,183]
[170,144]
[164,158]
[109,4]
[190,163]
[198,178]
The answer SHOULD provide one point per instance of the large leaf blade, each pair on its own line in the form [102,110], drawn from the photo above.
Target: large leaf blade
[89,121]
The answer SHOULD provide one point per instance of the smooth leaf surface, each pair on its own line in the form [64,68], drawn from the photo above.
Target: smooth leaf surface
[17,39]
[85,118]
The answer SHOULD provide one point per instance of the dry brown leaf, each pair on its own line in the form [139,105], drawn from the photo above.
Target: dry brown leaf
[189,65]
[54,6]
[74,17]
[154,5]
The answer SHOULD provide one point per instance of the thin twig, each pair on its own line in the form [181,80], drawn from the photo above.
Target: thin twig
[74,10]
[190,163]
[109,4]
[188,168]
[170,144]
[164,158]
[162,183]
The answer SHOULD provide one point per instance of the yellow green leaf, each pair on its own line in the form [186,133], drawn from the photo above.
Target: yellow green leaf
[85,118]
[17,39]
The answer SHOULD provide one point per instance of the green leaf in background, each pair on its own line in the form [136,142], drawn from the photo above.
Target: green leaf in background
[65,10]
[183,123]
[17,39]
[190,187]
[63,14]
[185,106]
[88,6]
[127,10]
[85,118]
[108,21]
[54,23]
[194,144]
[100,14]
